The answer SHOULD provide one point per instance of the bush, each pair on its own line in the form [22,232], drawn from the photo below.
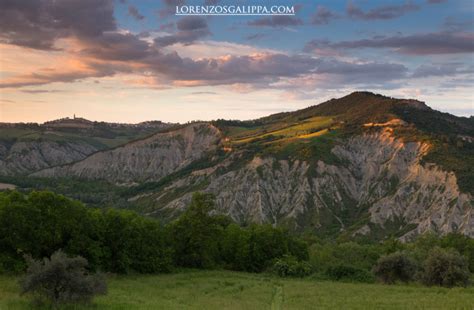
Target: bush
[10,264]
[395,267]
[61,279]
[445,268]
[461,243]
[298,248]
[361,256]
[348,273]
[289,266]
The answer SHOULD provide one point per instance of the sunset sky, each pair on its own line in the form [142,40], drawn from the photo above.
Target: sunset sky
[131,61]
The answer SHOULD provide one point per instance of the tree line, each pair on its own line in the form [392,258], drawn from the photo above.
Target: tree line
[118,241]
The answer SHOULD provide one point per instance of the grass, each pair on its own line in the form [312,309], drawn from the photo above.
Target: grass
[284,130]
[234,290]
[101,137]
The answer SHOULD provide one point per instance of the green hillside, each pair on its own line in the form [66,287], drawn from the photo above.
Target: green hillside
[100,135]
[310,133]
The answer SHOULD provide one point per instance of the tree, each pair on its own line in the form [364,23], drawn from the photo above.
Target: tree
[196,234]
[461,243]
[42,222]
[234,248]
[61,279]
[445,267]
[395,267]
[134,243]
[265,244]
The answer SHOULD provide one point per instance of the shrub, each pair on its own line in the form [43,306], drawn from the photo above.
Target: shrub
[445,268]
[289,266]
[61,279]
[395,267]
[461,243]
[10,264]
[361,256]
[298,248]
[348,273]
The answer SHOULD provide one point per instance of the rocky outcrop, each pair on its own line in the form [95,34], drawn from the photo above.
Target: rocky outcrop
[144,160]
[25,157]
[381,180]
[378,181]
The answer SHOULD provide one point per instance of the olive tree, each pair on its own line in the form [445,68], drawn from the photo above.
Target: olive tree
[61,280]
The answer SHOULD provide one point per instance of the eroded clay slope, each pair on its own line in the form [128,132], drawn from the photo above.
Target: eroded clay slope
[144,160]
[381,181]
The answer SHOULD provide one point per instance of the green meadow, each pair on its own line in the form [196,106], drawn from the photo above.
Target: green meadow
[237,290]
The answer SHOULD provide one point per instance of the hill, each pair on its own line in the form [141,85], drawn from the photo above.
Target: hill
[28,147]
[362,166]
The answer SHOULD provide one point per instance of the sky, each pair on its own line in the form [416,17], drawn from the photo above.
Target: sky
[132,61]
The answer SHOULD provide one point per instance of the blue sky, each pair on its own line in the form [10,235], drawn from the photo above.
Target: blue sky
[132,61]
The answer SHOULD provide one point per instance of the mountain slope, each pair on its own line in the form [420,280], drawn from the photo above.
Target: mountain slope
[25,148]
[144,160]
[363,165]
[382,188]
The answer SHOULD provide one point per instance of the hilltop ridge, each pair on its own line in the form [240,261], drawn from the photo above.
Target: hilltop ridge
[363,165]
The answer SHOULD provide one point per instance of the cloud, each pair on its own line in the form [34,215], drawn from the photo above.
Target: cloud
[190,23]
[115,46]
[6,100]
[41,91]
[166,26]
[382,12]
[133,11]
[170,7]
[203,93]
[457,83]
[447,69]
[101,50]
[190,29]
[417,44]
[276,21]
[322,16]
[50,75]
[254,69]
[363,73]
[38,24]
[456,24]
[255,36]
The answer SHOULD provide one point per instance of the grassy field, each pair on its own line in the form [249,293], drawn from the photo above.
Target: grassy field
[305,128]
[233,290]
